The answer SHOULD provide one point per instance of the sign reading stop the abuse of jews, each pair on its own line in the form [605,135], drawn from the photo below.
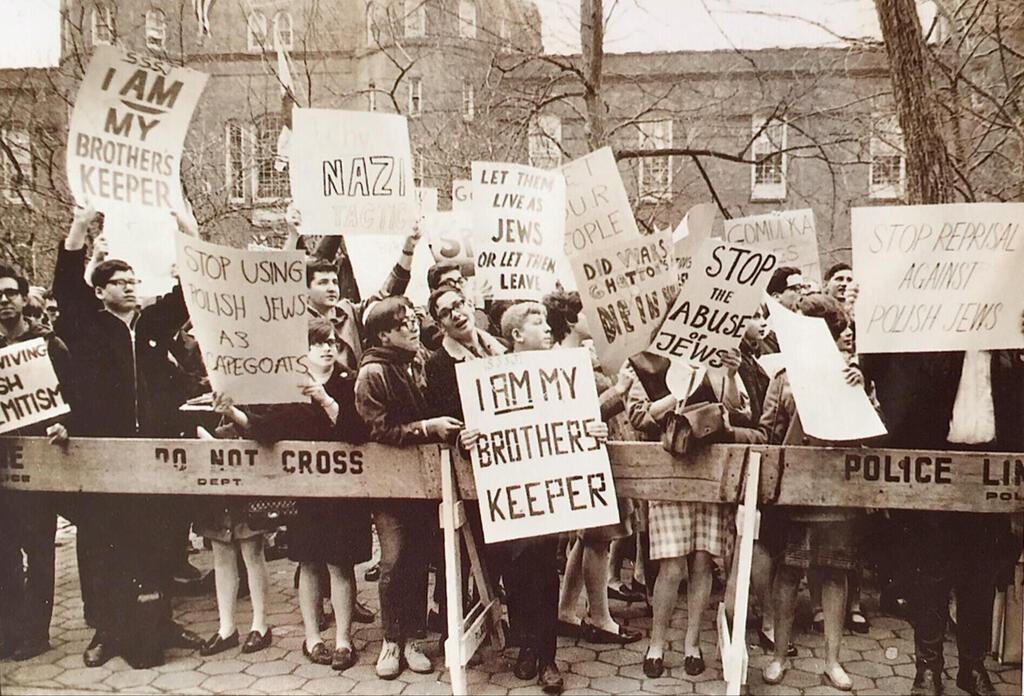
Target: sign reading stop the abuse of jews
[724,289]
[939,277]
[518,227]
[351,172]
[536,469]
[790,235]
[127,129]
[29,386]
[248,311]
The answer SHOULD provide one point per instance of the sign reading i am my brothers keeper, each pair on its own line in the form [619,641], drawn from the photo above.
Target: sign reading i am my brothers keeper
[536,469]
[351,172]
[28,384]
[938,277]
[248,311]
[518,228]
[127,129]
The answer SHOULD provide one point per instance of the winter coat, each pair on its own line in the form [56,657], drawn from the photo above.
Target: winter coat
[389,396]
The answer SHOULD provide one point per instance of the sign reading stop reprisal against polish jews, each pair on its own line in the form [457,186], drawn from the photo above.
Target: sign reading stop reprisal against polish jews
[724,289]
[31,394]
[351,172]
[938,277]
[626,281]
[536,469]
[127,130]
[248,311]
[518,227]
[789,234]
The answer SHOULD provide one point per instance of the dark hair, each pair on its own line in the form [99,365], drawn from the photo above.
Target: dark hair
[385,315]
[778,283]
[841,266]
[818,304]
[320,329]
[563,311]
[319,266]
[437,294]
[8,272]
[105,270]
[435,272]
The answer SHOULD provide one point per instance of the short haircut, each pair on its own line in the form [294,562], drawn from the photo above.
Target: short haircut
[818,304]
[319,266]
[563,310]
[33,306]
[384,316]
[515,316]
[435,272]
[779,279]
[320,329]
[105,270]
[8,272]
[436,295]
[841,266]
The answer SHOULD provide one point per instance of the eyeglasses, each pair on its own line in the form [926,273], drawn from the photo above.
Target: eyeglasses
[455,282]
[10,293]
[446,313]
[124,282]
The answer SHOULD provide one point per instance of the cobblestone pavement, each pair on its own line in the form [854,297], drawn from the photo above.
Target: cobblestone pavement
[588,669]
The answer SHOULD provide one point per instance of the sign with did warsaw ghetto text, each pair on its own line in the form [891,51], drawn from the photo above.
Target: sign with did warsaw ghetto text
[351,172]
[790,235]
[518,227]
[248,311]
[127,130]
[537,470]
[28,386]
[724,289]
[938,277]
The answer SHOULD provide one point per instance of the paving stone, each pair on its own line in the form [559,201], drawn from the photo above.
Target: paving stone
[576,654]
[228,666]
[434,688]
[129,679]
[177,681]
[270,669]
[31,673]
[228,683]
[379,687]
[621,657]
[277,684]
[308,670]
[187,664]
[614,685]
[872,670]
[83,676]
[711,687]
[593,668]
[894,685]
[328,685]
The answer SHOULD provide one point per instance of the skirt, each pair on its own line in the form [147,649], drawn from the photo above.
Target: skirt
[679,529]
[611,532]
[822,545]
[330,531]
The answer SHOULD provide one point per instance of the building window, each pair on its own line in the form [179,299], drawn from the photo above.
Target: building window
[417,169]
[887,171]
[415,96]
[235,162]
[156,30]
[468,106]
[467,19]
[545,146]
[284,36]
[655,173]
[250,159]
[415,18]
[768,173]
[271,183]
[371,96]
[504,36]
[102,25]
[16,173]
[257,32]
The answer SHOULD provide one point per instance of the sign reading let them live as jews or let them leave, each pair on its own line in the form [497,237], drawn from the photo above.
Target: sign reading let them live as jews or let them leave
[351,172]
[789,234]
[939,277]
[30,391]
[127,130]
[248,311]
[518,228]
[536,470]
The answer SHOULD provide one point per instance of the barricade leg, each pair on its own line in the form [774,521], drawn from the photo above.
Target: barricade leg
[453,576]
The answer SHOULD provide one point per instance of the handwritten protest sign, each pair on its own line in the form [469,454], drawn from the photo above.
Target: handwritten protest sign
[248,312]
[596,204]
[351,172]
[127,129]
[690,234]
[724,290]
[374,256]
[147,242]
[426,199]
[30,392]
[518,227]
[829,408]
[462,194]
[938,277]
[450,234]
[790,235]
[536,469]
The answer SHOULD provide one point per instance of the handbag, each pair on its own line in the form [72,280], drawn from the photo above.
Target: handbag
[267,514]
[695,425]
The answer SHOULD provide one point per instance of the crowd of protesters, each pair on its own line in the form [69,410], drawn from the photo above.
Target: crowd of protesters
[383,370]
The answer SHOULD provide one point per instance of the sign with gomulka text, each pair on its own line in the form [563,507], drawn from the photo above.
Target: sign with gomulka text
[127,131]
[789,234]
[248,311]
[938,277]
[351,172]
[29,392]
[537,471]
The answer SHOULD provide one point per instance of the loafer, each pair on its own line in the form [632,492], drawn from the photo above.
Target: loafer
[343,658]
[973,679]
[927,682]
[255,642]
[526,664]
[694,665]
[179,637]
[593,634]
[98,652]
[774,672]
[362,614]
[29,649]
[857,622]
[550,679]
[319,655]
[768,645]
[654,667]
[568,629]
[372,573]
[215,644]
[837,678]
[625,594]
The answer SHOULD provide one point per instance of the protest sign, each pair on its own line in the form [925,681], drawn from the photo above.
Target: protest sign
[248,311]
[790,235]
[450,234]
[351,172]
[375,255]
[938,277]
[462,194]
[596,204]
[690,234]
[710,314]
[426,200]
[829,408]
[28,386]
[127,129]
[518,229]
[536,469]
[146,240]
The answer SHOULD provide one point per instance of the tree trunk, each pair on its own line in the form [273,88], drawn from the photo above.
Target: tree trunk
[592,48]
[929,172]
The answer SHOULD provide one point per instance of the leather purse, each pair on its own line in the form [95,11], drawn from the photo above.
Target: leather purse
[267,514]
[695,425]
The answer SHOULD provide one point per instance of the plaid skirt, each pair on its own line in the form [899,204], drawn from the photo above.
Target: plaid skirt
[679,529]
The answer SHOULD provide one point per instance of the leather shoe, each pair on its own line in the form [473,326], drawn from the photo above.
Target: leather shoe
[768,645]
[694,665]
[625,594]
[215,644]
[973,679]
[526,664]
[343,658]
[98,652]
[30,648]
[592,634]
[550,679]
[654,667]
[361,614]
[319,655]
[179,637]
[255,642]
[372,573]
[927,682]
